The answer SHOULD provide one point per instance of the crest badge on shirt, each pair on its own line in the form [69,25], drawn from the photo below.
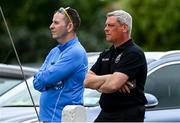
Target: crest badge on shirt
[118,58]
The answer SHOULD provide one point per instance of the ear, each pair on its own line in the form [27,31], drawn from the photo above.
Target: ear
[70,27]
[125,28]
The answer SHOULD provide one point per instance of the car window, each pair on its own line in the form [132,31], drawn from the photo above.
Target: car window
[6,84]
[19,96]
[164,83]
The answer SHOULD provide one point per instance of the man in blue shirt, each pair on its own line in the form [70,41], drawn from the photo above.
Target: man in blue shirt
[60,78]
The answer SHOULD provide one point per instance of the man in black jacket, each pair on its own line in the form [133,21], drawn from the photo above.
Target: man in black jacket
[115,68]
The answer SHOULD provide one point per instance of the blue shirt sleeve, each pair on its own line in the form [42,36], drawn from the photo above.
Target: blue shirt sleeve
[62,69]
[37,85]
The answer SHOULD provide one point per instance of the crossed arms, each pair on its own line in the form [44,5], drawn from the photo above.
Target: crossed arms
[108,83]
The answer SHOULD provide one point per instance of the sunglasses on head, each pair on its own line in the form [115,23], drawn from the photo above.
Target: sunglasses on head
[64,10]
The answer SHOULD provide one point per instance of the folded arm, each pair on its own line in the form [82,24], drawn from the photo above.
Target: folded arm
[105,83]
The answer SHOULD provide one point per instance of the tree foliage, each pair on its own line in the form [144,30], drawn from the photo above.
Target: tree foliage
[156,24]
[29,22]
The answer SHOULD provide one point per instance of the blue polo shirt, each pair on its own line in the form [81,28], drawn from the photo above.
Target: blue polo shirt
[60,79]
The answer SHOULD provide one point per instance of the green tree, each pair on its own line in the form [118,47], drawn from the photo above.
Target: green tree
[156,23]
[29,20]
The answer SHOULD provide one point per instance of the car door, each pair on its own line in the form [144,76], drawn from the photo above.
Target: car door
[163,81]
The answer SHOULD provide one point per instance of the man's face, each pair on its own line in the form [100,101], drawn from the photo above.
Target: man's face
[113,29]
[58,26]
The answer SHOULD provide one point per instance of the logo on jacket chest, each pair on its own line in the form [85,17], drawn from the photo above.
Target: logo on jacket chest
[118,58]
[105,59]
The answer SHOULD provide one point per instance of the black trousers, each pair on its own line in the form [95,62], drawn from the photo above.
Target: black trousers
[134,114]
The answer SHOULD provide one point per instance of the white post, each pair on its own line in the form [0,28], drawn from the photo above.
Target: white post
[74,113]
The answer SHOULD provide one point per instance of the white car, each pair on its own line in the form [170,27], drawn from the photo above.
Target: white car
[11,75]
[163,81]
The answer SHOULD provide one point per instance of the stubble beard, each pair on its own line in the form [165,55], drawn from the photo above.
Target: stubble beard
[61,36]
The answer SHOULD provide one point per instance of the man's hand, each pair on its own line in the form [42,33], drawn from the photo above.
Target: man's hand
[113,82]
[127,87]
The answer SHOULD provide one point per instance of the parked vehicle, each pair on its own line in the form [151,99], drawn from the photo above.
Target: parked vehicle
[11,75]
[163,81]
[173,53]
[16,105]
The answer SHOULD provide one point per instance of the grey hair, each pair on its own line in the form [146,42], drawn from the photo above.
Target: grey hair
[123,17]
